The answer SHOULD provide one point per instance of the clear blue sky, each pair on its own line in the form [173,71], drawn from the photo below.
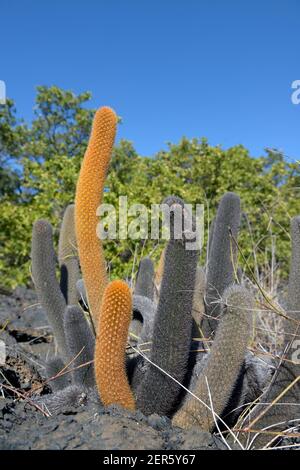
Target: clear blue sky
[216,68]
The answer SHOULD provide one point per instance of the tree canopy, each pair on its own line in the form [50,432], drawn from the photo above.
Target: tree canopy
[40,162]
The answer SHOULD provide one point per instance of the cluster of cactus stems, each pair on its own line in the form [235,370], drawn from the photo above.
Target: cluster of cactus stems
[93,319]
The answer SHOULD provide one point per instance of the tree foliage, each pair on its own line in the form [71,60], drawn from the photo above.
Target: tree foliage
[40,162]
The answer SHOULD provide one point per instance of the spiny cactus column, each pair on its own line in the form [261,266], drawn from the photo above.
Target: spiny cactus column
[147,309]
[287,407]
[111,341]
[143,289]
[53,367]
[293,301]
[62,400]
[173,325]
[279,416]
[68,258]
[80,339]
[223,365]
[222,257]
[43,262]
[144,285]
[89,192]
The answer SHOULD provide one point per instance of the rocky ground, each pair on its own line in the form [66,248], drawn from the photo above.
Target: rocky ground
[28,342]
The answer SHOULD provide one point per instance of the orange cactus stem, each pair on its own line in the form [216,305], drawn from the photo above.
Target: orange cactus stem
[111,341]
[89,193]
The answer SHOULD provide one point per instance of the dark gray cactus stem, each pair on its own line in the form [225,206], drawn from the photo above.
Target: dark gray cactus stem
[141,327]
[79,337]
[292,327]
[173,325]
[223,365]
[222,258]
[254,376]
[43,261]
[147,309]
[135,329]
[144,285]
[68,257]
[281,415]
[62,400]
[53,368]
[81,292]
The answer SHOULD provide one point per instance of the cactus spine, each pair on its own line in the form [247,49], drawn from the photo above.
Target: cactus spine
[89,192]
[111,341]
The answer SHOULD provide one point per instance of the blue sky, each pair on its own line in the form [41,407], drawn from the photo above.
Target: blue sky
[216,68]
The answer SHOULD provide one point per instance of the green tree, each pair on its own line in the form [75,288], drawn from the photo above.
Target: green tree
[11,139]
[40,162]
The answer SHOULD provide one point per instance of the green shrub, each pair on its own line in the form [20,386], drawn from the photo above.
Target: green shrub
[41,160]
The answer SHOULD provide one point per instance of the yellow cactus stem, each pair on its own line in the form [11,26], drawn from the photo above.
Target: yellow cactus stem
[111,341]
[89,193]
